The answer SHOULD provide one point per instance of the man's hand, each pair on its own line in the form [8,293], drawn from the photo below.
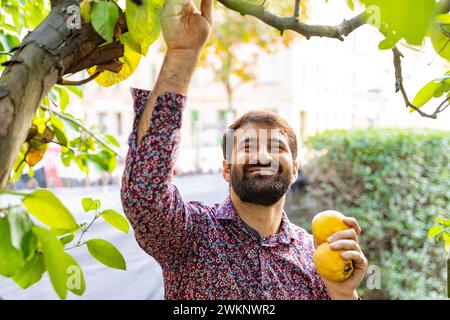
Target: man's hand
[185,30]
[184,27]
[347,241]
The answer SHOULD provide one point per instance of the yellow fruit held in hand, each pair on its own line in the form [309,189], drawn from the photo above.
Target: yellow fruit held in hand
[326,223]
[331,265]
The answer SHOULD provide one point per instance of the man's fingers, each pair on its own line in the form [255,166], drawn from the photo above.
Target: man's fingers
[357,257]
[352,223]
[206,8]
[174,8]
[345,234]
[345,245]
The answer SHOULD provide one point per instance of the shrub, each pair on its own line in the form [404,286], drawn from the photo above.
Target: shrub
[395,182]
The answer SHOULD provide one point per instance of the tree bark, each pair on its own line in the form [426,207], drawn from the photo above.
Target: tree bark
[54,49]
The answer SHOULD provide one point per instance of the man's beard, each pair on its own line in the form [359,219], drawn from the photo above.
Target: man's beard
[264,190]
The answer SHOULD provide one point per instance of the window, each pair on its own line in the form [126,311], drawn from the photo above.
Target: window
[102,120]
[269,70]
[194,119]
[226,117]
[119,123]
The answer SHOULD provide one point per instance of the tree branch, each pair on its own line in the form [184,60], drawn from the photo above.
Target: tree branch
[45,55]
[80,82]
[297,8]
[114,66]
[62,116]
[101,55]
[54,3]
[400,87]
[292,23]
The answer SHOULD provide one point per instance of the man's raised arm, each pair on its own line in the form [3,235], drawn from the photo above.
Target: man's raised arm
[161,220]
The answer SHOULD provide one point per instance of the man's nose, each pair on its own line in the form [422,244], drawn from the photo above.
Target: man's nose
[264,155]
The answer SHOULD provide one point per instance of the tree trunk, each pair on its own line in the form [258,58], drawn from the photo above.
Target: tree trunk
[54,49]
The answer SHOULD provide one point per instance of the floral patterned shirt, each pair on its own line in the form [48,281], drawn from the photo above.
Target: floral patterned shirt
[206,252]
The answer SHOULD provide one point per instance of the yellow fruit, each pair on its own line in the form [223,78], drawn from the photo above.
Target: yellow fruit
[35,155]
[331,265]
[326,223]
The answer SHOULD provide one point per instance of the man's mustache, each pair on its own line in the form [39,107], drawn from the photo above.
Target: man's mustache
[248,167]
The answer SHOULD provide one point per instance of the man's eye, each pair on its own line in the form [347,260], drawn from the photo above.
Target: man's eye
[249,147]
[276,148]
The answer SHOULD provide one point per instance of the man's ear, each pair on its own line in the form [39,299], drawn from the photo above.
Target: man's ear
[226,171]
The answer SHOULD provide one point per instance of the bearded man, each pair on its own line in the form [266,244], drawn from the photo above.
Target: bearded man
[244,247]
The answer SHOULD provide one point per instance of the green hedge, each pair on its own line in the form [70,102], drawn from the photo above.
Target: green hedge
[395,182]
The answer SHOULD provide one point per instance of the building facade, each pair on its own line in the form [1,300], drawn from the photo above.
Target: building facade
[315,84]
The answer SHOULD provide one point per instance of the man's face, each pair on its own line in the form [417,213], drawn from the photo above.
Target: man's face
[262,167]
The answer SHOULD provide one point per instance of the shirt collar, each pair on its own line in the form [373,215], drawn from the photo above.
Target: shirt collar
[227,211]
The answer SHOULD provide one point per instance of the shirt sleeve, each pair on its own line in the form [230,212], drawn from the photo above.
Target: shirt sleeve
[161,220]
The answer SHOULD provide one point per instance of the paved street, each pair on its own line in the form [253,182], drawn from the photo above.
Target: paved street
[143,279]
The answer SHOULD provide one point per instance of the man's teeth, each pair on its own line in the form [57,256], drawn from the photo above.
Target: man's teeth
[263,170]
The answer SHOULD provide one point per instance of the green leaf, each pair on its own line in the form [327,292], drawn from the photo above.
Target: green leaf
[67,238]
[112,163]
[112,139]
[20,227]
[85,8]
[75,278]
[60,136]
[446,238]
[47,208]
[104,17]
[106,253]
[64,98]
[438,237]
[130,61]
[66,158]
[408,19]
[389,42]
[19,170]
[351,4]
[90,204]
[444,222]
[30,273]
[434,231]
[54,258]
[426,93]
[8,41]
[30,172]
[29,246]
[440,40]
[443,88]
[143,22]
[11,259]
[443,18]
[76,90]
[62,232]
[116,220]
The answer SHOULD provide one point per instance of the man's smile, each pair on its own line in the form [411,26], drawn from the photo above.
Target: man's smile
[262,171]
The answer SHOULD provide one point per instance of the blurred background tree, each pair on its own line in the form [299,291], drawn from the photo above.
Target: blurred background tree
[220,53]
[395,183]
